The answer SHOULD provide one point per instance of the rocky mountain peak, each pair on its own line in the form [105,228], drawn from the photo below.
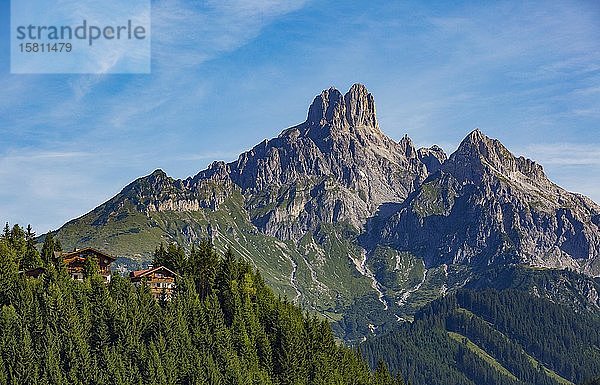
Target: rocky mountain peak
[158,173]
[328,108]
[360,107]
[495,208]
[155,181]
[476,136]
[478,155]
[432,157]
[477,144]
[332,109]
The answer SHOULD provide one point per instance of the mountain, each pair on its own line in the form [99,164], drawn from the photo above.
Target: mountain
[337,166]
[485,206]
[347,222]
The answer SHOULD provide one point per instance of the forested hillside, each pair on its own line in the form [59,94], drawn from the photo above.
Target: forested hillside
[493,337]
[224,326]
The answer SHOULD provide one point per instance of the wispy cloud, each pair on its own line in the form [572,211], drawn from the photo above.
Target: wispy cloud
[30,156]
[186,34]
[574,166]
[49,186]
[564,154]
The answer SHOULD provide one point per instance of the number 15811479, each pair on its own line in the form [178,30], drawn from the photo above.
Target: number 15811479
[45,47]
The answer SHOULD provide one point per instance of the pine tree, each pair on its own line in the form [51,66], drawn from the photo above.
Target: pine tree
[31,259]
[48,249]
[6,232]
[160,256]
[203,265]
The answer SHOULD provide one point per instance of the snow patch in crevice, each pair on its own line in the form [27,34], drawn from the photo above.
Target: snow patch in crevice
[443,289]
[398,258]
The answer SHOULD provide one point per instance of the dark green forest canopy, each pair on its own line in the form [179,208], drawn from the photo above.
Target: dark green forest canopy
[223,326]
[531,341]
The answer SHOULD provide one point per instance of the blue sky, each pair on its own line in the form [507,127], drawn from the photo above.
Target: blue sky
[227,74]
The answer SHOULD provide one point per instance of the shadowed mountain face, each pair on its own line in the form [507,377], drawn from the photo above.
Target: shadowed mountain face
[486,206]
[348,222]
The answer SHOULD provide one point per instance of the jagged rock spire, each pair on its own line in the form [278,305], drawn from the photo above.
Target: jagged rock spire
[407,147]
[354,109]
[360,107]
[327,108]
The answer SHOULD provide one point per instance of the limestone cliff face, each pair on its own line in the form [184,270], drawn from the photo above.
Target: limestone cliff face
[432,158]
[485,206]
[336,166]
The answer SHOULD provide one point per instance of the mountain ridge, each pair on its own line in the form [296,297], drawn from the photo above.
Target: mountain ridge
[494,199]
[353,224]
[344,125]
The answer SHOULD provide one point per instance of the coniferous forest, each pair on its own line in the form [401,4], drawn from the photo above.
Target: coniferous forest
[223,326]
[493,337]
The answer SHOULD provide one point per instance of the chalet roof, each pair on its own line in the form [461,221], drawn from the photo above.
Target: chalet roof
[143,273]
[33,272]
[75,258]
[75,253]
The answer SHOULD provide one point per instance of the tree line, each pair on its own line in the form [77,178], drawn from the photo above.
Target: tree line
[224,325]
